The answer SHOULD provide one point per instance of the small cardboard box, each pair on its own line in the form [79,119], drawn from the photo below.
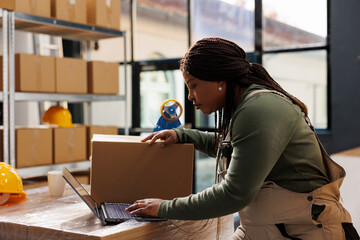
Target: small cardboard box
[69,10]
[123,169]
[103,77]
[34,7]
[69,144]
[34,146]
[91,130]
[104,13]
[71,75]
[34,73]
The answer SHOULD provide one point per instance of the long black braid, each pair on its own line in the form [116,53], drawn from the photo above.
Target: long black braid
[216,59]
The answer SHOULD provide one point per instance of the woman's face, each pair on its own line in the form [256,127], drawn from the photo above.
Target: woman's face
[205,95]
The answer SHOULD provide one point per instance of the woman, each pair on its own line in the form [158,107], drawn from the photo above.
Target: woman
[274,170]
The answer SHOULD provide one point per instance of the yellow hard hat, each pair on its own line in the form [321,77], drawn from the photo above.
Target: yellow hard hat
[59,116]
[10,182]
[11,188]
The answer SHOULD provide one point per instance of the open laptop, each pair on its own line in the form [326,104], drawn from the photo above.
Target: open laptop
[106,212]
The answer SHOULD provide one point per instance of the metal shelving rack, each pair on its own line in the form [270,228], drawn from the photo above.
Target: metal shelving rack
[10,21]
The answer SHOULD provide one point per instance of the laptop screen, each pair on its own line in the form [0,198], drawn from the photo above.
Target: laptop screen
[80,190]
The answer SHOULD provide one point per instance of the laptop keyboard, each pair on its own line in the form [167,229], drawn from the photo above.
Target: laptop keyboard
[117,211]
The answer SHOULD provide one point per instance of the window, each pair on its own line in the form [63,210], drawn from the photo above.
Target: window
[155,88]
[205,171]
[160,27]
[288,37]
[294,23]
[229,19]
[304,75]
[293,49]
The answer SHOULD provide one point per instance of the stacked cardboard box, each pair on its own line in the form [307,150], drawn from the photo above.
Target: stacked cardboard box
[103,77]
[45,145]
[34,146]
[69,10]
[104,13]
[34,73]
[34,7]
[69,144]
[71,75]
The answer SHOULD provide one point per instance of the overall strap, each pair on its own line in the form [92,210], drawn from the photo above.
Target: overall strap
[333,170]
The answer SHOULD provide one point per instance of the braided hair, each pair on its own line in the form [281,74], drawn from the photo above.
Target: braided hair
[217,59]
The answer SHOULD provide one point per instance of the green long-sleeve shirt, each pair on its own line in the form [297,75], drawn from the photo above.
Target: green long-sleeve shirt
[271,142]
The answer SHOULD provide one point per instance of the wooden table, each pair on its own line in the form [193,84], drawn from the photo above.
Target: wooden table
[41,216]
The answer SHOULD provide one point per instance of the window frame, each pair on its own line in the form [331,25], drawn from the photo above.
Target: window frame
[256,56]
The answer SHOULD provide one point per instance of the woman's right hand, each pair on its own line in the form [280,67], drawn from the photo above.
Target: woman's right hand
[169,137]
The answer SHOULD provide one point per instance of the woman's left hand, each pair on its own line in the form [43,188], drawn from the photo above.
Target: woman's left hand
[145,207]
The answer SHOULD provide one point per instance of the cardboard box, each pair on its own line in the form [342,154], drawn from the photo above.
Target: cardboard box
[34,7]
[34,146]
[69,10]
[71,75]
[123,169]
[104,13]
[69,144]
[103,77]
[34,73]
[91,130]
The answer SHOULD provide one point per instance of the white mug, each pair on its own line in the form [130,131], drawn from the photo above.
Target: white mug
[56,183]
